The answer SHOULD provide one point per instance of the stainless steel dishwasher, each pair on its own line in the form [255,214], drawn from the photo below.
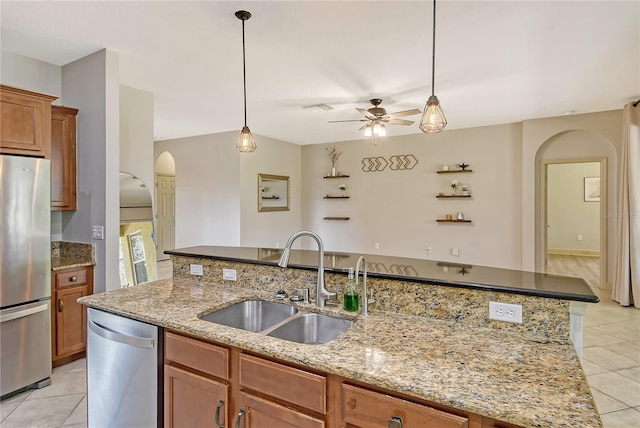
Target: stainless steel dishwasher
[124,372]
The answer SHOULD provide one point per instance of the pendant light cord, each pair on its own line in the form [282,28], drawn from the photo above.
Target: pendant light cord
[244,76]
[433,52]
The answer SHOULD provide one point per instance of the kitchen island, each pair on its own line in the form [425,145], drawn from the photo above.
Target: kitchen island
[422,344]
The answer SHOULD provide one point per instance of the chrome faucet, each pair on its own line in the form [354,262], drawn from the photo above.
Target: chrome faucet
[365,299]
[321,293]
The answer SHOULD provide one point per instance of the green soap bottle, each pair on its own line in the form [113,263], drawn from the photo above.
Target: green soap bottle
[351,302]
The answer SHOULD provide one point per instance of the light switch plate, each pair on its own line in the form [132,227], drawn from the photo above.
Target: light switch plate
[98,232]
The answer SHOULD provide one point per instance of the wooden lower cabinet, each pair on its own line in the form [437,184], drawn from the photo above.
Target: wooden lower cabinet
[192,400]
[69,318]
[203,378]
[256,412]
[369,409]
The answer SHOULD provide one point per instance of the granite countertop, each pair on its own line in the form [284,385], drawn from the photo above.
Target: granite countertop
[417,270]
[66,255]
[512,378]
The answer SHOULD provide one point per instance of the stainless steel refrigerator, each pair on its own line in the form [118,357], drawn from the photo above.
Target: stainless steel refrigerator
[25,272]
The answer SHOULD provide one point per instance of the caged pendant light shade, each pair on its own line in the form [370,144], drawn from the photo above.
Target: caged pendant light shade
[246,143]
[433,119]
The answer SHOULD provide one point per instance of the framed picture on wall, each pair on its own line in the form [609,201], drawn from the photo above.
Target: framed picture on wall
[592,189]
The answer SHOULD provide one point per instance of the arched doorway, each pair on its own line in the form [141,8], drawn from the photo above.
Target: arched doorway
[573,225]
[165,177]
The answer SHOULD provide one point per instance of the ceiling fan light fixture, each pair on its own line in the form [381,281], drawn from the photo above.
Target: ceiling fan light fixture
[246,143]
[433,119]
[368,131]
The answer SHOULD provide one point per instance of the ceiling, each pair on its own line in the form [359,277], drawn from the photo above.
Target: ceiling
[496,61]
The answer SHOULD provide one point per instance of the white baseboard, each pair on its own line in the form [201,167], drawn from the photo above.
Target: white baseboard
[572,252]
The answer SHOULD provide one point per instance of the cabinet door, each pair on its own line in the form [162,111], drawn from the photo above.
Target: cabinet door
[260,413]
[63,158]
[369,409]
[191,400]
[71,320]
[25,127]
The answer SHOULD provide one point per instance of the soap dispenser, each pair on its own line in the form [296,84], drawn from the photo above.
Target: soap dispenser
[351,302]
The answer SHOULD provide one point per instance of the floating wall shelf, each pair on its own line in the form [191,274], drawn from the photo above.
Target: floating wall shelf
[454,171]
[336,197]
[443,220]
[335,176]
[453,196]
[336,218]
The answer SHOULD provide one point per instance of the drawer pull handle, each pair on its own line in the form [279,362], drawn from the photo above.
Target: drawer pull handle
[60,305]
[352,403]
[220,406]
[395,422]
[239,418]
[73,279]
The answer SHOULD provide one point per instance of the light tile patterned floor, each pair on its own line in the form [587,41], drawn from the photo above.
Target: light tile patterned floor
[611,361]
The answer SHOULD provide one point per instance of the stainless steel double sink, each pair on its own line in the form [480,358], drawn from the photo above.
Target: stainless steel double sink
[281,321]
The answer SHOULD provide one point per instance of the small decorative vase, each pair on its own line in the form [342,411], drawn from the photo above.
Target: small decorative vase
[453,191]
[333,171]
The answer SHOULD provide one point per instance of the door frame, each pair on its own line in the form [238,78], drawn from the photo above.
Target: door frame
[160,256]
[604,201]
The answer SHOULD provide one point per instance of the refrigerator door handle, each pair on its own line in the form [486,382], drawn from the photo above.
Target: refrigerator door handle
[23,313]
[139,342]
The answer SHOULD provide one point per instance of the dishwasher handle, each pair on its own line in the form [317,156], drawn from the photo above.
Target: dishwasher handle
[102,331]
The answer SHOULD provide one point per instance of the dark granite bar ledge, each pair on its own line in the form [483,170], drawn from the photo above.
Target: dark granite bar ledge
[414,270]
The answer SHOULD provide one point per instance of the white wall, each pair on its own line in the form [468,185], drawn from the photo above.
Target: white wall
[568,213]
[269,229]
[30,74]
[398,209]
[91,85]
[207,169]
[216,190]
[136,135]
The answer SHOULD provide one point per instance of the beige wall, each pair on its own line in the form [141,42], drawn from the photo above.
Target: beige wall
[568,213]
[398,209]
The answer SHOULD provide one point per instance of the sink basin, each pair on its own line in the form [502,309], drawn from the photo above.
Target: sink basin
[312,329]
[251,315]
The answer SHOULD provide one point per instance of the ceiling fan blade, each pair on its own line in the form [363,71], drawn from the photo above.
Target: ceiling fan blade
[351,120]
[399,122]
[405,113]
[363,126]
[366,113]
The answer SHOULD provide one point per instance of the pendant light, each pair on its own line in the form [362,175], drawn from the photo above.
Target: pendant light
[433,119]
[246,143]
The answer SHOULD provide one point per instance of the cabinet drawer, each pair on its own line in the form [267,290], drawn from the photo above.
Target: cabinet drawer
[198,355]
[72,278]
[295,386]
[364,408]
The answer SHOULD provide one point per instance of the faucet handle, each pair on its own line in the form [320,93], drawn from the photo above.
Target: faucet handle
[370,299]
[281,294]
[302,296]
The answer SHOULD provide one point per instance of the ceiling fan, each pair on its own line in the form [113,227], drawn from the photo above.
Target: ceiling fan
[377,117]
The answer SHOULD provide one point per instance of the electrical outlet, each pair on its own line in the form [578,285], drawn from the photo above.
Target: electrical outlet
[455,252]
[429,249]
[98,232]
[229,274]
[196,270]
[505,312]
[376,246]
[579,237]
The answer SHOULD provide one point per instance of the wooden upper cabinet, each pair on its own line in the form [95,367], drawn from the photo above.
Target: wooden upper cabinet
[25,122]
[63,158]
